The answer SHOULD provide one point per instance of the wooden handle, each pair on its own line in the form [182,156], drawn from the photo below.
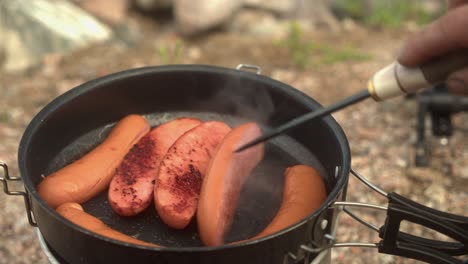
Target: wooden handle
[396,79]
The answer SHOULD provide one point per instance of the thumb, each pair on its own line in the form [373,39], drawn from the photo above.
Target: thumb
[446,34]
[457,82]
[455,3]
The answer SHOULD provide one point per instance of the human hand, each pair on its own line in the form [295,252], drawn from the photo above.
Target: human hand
[444,35]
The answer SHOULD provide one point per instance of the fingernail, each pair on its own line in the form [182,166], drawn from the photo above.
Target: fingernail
[457,85]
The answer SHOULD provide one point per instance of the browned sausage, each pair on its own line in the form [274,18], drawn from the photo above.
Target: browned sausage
[91,174]
[221,187]
[182,170]
[131,189]
[75,214]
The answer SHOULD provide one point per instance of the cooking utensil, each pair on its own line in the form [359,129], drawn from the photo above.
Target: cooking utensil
[391,81]
[353,99]
[76,121]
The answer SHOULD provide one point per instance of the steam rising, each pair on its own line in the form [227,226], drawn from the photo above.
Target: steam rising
[252,103]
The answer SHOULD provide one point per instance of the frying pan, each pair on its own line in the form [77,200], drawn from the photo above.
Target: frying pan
[76,121]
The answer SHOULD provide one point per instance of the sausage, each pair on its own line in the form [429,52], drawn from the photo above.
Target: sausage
[131,189]
[91,174]
[75,214]
[225,177]
[304,192]
[182,170]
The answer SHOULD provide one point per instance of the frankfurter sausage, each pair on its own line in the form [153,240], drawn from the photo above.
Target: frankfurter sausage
[75,214]
[304,192]
[131,189]
[83,179]
[182,170]
[225,177]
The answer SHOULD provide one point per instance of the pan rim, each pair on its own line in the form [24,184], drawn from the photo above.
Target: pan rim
[90,85]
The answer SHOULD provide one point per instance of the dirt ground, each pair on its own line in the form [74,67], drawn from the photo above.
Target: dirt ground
[381,135]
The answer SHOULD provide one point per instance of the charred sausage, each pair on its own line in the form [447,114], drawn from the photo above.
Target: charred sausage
[131,189]
[83,179]
[182,170]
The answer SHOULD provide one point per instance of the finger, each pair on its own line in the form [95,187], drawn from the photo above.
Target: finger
[448,33]
[455,3]
[457,82]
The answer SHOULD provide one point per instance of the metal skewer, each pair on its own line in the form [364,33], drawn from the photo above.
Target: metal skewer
[309,116]
[391,81]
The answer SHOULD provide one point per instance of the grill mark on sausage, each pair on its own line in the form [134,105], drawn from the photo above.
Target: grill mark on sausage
[190,182]
[181,173]
[186,186]
[138,160]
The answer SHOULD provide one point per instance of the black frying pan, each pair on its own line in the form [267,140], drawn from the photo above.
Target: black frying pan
[259,201]
[74,122]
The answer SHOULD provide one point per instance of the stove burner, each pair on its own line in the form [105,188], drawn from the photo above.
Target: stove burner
[50,253]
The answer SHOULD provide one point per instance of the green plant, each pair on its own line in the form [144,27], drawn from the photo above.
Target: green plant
[304,52]
[5,117]
[385,13]
[354,9]
[298,48]
[347,53]
[395,13]
[171,54]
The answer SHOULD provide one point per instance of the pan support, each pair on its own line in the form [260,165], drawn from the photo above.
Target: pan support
[396,242]
[5,179]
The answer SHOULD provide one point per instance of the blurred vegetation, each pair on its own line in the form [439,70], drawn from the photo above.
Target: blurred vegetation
[171,54]
[385,13]
[305,52]
[5,117]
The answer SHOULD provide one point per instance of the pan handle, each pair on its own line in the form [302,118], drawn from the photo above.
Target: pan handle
[257,69]
[27,202]
[396,242]
[403,209]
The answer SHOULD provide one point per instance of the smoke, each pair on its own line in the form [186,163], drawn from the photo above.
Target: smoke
[241,99]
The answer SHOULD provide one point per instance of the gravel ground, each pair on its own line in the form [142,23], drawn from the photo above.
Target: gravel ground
[381,135]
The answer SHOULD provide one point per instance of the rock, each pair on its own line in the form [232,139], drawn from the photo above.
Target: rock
[110,11]
[128,34]
[31,29]
[194,53]
[280,7]
[350,25]
[194,17]
[318,14]
[152,5]
[258,23]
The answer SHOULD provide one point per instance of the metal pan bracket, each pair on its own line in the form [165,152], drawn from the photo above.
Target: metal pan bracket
[257,69]
[7,178]
[396,242]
